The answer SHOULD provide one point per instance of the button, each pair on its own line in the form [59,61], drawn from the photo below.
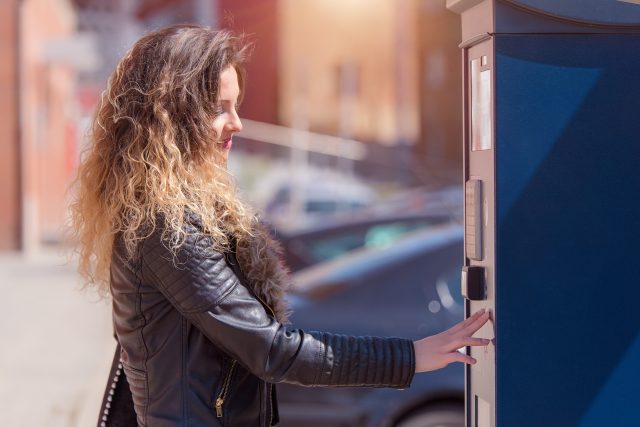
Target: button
[473,286]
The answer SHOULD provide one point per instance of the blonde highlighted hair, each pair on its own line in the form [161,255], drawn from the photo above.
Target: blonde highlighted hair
[152,155]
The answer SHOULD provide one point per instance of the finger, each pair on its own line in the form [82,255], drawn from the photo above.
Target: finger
[459,357]
[468,321]
[478,323]
[462,326]
[468,342]
[465,341]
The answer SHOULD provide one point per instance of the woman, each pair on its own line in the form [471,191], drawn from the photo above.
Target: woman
[196,282]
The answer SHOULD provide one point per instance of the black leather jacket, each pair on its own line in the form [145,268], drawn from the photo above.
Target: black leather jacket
[199,349]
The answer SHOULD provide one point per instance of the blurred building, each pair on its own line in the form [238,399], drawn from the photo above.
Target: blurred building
[383,72]
[351,68]
[48,112]
[9,130]
[40,135]
[440,85]
[111,26]
[259,21]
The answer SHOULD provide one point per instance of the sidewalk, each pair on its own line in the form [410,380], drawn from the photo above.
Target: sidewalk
[55,343]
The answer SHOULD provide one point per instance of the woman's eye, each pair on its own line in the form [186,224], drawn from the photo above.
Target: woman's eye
[220,109]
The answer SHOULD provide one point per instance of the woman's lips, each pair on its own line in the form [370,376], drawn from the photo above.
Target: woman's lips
[227,143]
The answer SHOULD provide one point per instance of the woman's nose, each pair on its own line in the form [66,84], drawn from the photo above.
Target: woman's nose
[234,124]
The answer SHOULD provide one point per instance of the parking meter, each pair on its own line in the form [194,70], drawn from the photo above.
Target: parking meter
[552,210]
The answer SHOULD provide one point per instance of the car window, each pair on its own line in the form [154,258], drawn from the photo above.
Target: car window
[385,235]
[328,248]
[322,206]
[332,246]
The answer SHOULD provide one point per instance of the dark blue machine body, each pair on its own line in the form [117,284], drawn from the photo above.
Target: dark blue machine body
[552,210]
[567,186]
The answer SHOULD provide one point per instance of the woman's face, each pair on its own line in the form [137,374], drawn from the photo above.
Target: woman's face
[226,122]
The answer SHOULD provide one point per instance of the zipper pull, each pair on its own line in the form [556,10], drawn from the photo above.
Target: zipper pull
[219,402]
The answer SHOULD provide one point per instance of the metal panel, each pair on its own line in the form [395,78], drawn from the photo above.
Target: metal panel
[479,208]
[560,215]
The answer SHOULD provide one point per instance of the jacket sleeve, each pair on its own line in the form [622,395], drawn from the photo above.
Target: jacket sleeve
[204,289]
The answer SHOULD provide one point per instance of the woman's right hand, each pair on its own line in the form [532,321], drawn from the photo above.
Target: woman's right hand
[437,351]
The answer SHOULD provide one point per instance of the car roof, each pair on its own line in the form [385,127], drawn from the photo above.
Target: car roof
[371,260]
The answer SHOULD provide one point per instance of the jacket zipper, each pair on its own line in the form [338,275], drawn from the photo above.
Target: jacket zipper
[225,390]
[270,404]
[270,390]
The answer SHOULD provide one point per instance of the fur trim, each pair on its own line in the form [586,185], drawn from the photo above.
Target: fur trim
[262,264]
[261,260]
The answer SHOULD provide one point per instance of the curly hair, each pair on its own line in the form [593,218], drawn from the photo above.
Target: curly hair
[151,155]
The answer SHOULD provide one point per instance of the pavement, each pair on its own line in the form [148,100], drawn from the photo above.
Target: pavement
[55,342]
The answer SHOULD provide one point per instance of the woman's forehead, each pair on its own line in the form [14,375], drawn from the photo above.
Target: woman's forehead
[228,87]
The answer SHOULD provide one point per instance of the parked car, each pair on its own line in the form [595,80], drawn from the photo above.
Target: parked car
[317,199]
[410,288]
[333,239]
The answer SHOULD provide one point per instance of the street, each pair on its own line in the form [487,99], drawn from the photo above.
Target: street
[56,343]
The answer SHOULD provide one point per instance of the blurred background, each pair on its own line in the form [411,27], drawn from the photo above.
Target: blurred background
[351,149]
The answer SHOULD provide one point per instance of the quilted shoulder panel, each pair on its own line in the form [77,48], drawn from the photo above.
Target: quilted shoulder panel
[195,278]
